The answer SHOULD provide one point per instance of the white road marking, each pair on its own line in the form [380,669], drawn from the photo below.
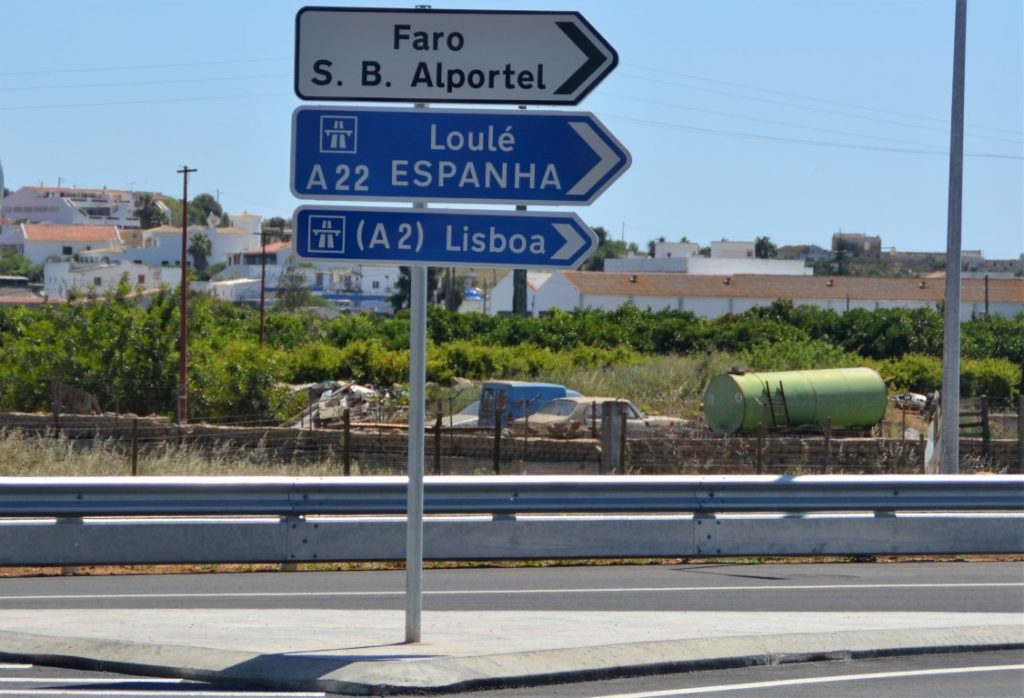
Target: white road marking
[79,693]
[506,592]
[94,679]
[12,667]
[700,690]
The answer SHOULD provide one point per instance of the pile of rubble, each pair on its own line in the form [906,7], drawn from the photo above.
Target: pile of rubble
[328,401]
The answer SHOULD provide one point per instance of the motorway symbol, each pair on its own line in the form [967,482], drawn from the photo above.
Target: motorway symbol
[443,237]
[459,155]
[507,57]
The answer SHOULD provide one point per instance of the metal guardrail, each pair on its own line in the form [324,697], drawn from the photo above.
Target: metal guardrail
[137,521]
[296,496]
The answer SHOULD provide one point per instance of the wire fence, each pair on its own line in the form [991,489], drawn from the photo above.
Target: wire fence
[352,430]
[125,444]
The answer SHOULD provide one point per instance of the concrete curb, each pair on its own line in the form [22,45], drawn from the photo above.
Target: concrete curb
[399,673]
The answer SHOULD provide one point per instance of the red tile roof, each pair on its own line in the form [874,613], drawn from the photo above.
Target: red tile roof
[272,247]
[36,232]
[780,287]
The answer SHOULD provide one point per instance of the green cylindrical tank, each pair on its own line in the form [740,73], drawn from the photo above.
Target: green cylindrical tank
[849,397]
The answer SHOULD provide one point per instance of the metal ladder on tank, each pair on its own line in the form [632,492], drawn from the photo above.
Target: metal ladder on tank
[777,406]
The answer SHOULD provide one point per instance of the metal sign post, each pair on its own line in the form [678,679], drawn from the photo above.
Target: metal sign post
[417,409]
[465,156]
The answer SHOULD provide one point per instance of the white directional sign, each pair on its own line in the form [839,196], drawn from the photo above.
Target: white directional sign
[447,56]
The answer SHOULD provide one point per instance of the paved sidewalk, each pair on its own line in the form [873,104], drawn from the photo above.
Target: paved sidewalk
[363,653]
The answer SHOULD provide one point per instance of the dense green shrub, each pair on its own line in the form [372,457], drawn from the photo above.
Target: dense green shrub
[794,355]
[995,378]
[127,355]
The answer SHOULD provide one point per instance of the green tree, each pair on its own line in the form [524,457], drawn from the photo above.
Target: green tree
[450,293]
[202,206]
[274,228]
[148,212]
[293,292]
[401,297]
[200,247]
[651,245]
[13,264]
[764,248]
[606,249]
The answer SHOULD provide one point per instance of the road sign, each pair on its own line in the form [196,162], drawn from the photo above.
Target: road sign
[443,237]
[427,55]
[461,155]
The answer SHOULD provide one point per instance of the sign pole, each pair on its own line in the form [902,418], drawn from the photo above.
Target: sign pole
[949,463]
[417,409]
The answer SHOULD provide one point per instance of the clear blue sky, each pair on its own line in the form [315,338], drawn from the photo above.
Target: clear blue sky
[786,118]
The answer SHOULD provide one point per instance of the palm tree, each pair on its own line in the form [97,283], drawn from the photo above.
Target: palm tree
[200,248]
[764,248]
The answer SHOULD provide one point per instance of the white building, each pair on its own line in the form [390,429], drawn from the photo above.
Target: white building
[727,249]
[161,246]
[60,279]
[39,242]
[713,296]
[73,206]
[675,249]
[708,265]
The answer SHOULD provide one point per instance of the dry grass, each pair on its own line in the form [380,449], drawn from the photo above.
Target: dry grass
[22,456]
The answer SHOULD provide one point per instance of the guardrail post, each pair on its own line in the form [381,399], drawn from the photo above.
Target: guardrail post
[69,570]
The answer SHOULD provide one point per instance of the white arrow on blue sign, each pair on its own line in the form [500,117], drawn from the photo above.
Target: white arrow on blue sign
[443,237]
[457,155]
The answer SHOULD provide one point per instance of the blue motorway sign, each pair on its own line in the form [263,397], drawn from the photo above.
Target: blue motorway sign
[443,237]
[457,155]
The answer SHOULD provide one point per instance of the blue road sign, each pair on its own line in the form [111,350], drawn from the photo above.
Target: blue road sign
[443,237]
[458,155]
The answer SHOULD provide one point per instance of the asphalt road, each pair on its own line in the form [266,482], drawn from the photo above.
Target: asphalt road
[981,674]
[991,587]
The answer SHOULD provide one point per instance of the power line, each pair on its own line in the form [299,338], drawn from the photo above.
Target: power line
[816,99]
[801,141]
[143,101]
[798,106]
[142,82]
[765,121]
[137,66]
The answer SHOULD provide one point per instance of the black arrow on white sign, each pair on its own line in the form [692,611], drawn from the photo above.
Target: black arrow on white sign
[426,55]
[595,58]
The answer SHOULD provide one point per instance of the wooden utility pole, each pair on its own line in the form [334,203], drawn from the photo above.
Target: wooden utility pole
[263,286]
[183,312]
